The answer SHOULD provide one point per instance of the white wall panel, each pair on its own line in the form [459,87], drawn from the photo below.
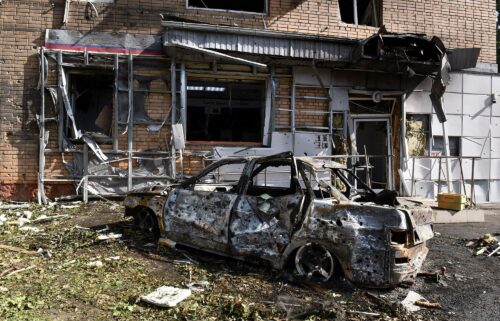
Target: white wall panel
[477,105]
[496,107]
[495,191]
[455,169]
[478,126]
[477,84]
[426,85]
[422,168]
[495,126]
[473,146]
[495,147]
[495,169]
[481,168]
[453,125]
[495,84]
[419,102]
[455,85]
[452,103]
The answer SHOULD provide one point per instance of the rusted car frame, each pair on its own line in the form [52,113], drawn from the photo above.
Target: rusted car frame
[316,216]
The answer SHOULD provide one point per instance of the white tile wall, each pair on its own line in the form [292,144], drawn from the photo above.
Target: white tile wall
[478,126]
[481,168]
[495,169]
[495,190]
[473,146]
[419,102]
[495,126]
[453,125]
[455,85]
[477,84]
[453,103]
[476,105]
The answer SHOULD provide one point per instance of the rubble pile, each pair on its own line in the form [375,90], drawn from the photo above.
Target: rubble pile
[488,245]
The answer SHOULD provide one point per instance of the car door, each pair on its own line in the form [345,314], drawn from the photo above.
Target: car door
[264,215]
[197,213]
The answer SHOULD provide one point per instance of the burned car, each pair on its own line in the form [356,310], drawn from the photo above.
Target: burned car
[312,215]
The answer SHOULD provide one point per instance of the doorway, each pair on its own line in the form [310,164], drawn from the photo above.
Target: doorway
[373,139]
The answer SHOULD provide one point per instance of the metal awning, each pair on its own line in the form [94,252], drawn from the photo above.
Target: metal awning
[258,42]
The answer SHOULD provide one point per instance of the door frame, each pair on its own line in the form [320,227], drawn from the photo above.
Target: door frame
[359,118]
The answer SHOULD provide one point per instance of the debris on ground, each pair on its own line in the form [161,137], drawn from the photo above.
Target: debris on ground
[109,236]
[166,296]
[95,264]
[44,218]
[414,301]
[488,245]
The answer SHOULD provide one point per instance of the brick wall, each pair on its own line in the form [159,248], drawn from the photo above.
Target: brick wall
[461,23]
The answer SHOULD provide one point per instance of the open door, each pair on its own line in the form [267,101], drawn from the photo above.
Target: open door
[373,138]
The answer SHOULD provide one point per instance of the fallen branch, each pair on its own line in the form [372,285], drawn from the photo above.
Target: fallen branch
[364,313]
[20,270]
[16,249]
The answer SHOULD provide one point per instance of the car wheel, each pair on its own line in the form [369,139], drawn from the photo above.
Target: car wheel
[314,262]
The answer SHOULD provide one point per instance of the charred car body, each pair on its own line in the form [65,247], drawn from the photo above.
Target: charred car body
[312,214]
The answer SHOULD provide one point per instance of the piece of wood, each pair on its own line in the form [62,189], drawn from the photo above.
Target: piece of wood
[21,270]
[426,304]
[496,250]
[16,249]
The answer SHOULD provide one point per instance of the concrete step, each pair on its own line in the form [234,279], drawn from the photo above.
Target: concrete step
[464,216]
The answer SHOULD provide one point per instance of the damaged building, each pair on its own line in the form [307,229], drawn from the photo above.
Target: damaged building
[102,97]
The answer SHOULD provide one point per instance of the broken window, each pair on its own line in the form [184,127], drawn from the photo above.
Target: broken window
[225,111]
[361,12]
[92,98]
[438,145]
[223,178]
[417,134]
[255,6]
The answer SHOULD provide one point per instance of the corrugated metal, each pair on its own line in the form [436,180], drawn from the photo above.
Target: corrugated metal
[262,45]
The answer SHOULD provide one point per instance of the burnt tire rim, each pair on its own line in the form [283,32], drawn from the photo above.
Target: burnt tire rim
[314,262]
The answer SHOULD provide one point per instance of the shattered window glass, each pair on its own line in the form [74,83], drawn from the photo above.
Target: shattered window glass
[223,178]
[438,145]
[417,134]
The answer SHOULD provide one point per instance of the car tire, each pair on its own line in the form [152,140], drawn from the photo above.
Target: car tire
[315,263]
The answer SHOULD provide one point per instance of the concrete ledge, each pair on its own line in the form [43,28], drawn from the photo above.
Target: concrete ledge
[464,216]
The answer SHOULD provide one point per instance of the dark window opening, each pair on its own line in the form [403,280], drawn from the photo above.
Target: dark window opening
[438,145]
[225,111]
[361,12]
[92,97]
[256,6]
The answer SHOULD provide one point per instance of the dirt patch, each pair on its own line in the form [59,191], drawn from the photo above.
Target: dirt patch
[67,286]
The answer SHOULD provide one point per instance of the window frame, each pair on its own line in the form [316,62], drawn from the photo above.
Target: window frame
[379,18]
[265,13]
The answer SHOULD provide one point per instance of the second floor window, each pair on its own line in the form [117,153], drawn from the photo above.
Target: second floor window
[361,12]
[254,6]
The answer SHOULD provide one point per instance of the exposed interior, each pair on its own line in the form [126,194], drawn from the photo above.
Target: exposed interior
[93,101]
[225,111]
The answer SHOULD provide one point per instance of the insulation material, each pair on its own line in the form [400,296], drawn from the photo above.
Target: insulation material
[416,136]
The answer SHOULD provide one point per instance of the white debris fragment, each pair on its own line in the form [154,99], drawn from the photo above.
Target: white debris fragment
[166,296]
[22,220]
[110,236]
[69,206]
[95,264]
[103,230]
[112,258]
[44,253]
[3,289]
[27,228]
[27,214]
[199,286]
[44,218]
[81,227]
[409,302]
[3,219]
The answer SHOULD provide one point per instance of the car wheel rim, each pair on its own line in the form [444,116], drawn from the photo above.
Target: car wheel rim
[314,262]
